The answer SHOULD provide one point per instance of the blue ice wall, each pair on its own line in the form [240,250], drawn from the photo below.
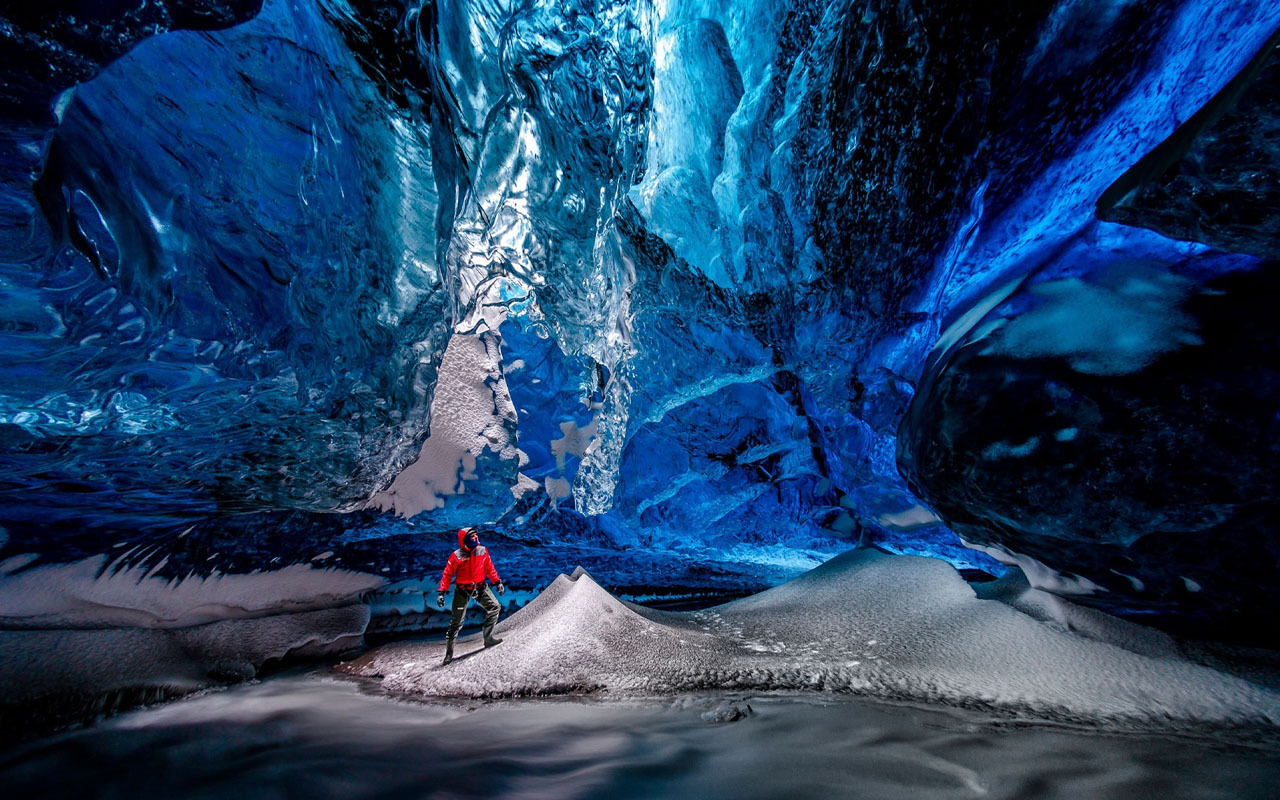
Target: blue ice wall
[224,290]
[739,235]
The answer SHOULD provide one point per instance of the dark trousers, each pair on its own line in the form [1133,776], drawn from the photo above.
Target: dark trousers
[483,595]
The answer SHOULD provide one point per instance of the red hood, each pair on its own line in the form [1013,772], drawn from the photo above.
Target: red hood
[462,536]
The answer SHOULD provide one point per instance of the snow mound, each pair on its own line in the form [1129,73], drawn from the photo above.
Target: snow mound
[898,627]
[573,637]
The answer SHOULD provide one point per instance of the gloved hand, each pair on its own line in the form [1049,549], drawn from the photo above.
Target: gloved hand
[440,599]
[502,588]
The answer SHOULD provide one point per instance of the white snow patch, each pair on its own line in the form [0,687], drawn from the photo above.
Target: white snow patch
[1014,590]
[1111,329]
[1134,581]
[915,517]
[1041,575]
[557,488]
[524,485]
[573,439]
[471,411]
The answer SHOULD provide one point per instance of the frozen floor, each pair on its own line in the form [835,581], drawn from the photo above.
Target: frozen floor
[865,623]
[315,736]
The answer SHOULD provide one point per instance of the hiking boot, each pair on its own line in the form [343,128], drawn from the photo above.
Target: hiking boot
[491,642]
[448,653]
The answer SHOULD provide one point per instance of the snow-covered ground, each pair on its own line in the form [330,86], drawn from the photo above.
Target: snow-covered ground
[887,626]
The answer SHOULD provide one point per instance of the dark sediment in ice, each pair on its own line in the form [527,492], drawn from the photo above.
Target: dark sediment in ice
[1217,178]
[50,47]
[1119,429]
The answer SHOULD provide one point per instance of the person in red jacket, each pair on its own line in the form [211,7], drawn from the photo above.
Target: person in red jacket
[468,567]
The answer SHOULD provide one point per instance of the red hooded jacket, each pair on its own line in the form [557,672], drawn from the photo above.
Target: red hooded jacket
[469,566]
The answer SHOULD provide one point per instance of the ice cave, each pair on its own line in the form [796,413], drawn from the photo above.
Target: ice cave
[839,398]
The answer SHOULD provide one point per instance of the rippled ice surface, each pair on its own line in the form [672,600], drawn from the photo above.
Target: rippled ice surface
[312,736]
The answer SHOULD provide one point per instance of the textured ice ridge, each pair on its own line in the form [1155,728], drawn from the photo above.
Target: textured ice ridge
[889,626]
[95,593]
[74,636]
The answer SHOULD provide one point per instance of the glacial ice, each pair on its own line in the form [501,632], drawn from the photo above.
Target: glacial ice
[214,336]
[473,437]
[708,291]
[1123,446]
[60,675]
[1209,181]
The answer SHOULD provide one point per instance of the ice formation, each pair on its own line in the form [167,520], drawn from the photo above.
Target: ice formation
[1122,456]
[97,593]
[474,429]
[56,675]
[707,291]
[74,637]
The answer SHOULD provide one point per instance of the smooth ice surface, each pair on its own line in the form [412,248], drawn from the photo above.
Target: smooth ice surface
[865,622]
[228,270]
[311,736]
[1115,434]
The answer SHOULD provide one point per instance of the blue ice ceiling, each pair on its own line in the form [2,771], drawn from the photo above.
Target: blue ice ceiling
[711,291]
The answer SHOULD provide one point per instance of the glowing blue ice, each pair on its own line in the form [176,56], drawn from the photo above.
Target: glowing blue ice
[708,248]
